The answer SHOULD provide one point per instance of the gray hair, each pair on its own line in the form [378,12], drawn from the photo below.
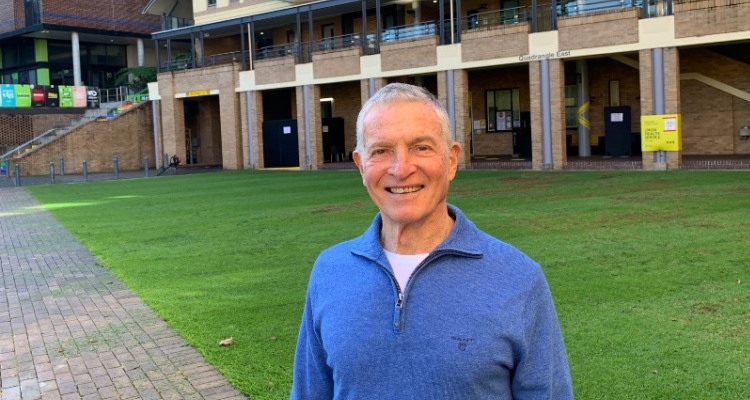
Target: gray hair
[394,92]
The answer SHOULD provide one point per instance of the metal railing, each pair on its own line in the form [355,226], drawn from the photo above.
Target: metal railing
[114,95]
[492,18]
[406,32]
[281,50]
[18,150]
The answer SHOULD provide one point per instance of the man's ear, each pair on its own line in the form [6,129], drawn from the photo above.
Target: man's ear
[359,163]
[455,153]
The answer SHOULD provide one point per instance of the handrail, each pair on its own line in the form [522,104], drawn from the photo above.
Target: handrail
[22,146]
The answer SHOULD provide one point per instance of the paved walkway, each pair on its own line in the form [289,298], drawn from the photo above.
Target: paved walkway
[70,330]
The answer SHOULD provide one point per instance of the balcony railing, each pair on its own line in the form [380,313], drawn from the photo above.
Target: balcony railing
[405,32]
[493,18]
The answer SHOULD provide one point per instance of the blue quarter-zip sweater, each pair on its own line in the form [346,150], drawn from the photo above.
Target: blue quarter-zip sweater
[476,321]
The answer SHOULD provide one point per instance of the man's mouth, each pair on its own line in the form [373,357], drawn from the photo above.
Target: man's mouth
[404,189]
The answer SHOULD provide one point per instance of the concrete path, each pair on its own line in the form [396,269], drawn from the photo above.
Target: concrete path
[70,330]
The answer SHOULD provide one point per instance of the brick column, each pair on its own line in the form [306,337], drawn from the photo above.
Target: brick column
[312,114]
[557,114]
[671,97]
[172,118]
[256,123]
[231,132]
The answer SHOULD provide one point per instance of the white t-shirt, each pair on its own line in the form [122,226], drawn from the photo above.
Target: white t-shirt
[403,265]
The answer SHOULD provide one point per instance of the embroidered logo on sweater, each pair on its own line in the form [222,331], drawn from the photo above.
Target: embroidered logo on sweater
[463,342]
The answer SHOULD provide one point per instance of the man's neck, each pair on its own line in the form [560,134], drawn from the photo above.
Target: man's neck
[415,238]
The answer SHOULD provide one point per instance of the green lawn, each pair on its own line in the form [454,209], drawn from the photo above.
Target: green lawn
[649,271]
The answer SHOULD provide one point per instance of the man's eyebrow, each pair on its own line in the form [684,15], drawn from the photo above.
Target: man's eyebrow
[423,138]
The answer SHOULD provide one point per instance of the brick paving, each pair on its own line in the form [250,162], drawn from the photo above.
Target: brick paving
[69,329]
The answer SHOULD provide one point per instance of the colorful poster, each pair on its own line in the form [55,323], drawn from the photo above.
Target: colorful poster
[661,133]
[79,96]
[38,96]
[8,93]
[53,96]
[92,97]
[23,95]
[66,96]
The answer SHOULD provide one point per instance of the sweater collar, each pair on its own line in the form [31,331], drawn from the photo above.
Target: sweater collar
[462,240]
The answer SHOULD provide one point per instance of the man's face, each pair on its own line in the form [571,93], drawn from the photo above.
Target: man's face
[406,165]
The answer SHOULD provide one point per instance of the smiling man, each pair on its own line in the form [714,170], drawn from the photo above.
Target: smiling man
[424,305]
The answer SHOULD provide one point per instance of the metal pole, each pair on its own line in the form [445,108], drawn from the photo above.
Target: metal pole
[657,87]
[584,126]
[451,101]
[115,163]
[306,105]
[18,175]
[51,172]
[155,106]
[546,115]
[85,170]
[250,130]
[145,167]
[62,166]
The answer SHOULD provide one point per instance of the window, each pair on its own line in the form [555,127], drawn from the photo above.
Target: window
[571,106]
[503,110]
[212,3]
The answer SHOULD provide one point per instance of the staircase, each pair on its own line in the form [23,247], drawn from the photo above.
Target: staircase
[90,115]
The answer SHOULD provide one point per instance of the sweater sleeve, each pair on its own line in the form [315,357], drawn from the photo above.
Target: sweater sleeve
[542,370]
[311,376]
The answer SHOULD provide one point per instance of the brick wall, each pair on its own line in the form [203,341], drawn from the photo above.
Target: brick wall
[601,72]
[707,17]
[711,117]
[495,42]
[11,15]
[129,137]
[275,70]
[598,29]
[409,54]
[107,15]
[337,63]
[19,129]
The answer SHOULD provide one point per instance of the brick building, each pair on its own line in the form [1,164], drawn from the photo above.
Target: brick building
[527,85]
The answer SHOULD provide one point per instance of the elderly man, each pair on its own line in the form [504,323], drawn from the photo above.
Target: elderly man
[424,305]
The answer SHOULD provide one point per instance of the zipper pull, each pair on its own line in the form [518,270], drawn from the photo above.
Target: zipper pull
[400,299]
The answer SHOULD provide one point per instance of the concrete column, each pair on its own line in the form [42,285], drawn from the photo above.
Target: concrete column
[141,52]
[155,110]
[76,49]
[417,7]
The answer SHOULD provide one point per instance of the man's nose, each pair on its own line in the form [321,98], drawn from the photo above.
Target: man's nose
[402,164]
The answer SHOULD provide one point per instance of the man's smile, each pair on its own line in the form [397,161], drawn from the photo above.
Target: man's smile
[404,189]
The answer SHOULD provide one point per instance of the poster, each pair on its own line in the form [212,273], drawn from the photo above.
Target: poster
[23,95]
[8,93]
[661,133]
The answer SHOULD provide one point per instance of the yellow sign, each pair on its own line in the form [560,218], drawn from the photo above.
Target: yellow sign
[196,93]
[661,132]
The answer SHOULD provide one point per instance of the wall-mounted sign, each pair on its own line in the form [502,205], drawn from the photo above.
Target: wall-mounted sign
[196,93]
[661,133]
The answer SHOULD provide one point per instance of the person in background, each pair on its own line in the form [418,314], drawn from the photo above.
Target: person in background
[424,305]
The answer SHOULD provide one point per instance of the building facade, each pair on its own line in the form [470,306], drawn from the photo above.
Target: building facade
[527,85]
[77,42]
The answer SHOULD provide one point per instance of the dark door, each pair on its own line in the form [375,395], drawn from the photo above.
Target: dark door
[280,147]
[617,131]
[333,140]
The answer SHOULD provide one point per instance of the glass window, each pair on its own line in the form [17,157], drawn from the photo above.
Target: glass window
[212,3]
[503,110]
